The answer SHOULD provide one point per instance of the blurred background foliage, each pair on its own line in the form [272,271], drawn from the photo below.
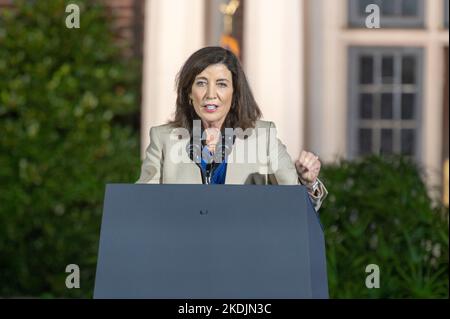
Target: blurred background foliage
[379,212]
[69,112]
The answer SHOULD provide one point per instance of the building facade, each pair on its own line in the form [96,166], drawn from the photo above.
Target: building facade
[331,84]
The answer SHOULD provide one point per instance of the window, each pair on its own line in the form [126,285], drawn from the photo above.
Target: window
[446,13]
[385,94]
[393,13]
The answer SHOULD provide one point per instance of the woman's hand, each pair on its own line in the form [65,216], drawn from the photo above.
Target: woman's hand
[308,167]
[212,138]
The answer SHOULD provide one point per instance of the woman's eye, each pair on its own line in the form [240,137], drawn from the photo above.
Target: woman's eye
[201,83]
[223,85]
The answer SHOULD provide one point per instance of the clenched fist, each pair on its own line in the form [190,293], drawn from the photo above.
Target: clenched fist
[308,167]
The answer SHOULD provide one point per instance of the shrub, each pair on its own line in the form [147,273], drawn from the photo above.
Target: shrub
[67,102]
[379,212]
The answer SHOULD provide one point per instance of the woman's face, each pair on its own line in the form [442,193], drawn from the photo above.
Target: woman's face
[212,94]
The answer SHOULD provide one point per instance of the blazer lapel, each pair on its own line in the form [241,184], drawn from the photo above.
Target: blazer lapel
[236,171]
[188,172]
[232,176]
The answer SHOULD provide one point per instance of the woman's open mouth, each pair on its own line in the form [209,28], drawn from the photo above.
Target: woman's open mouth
[211,108]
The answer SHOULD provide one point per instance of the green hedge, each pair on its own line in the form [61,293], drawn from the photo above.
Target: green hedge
[378,212]
[68,104]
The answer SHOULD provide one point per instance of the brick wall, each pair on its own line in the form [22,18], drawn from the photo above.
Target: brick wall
[5,4]
[128,24]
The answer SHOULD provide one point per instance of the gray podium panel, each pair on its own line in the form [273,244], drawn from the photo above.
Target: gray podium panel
[210,241]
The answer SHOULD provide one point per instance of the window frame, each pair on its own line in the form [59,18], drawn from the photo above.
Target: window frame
[353,119]
[397,22]
[446,8]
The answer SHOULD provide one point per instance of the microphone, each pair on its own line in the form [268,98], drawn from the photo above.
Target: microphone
[196,152]
[225,148]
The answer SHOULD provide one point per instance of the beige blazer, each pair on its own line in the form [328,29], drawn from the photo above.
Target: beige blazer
[167,162]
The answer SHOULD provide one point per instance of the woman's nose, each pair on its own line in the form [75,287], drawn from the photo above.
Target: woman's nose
[211,92]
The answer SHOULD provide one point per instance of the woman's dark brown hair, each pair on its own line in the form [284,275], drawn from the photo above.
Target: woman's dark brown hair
[244,110]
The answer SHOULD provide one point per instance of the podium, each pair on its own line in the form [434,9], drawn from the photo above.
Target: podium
[210,242]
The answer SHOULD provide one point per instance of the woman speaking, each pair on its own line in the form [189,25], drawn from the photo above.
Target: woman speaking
[217,137]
